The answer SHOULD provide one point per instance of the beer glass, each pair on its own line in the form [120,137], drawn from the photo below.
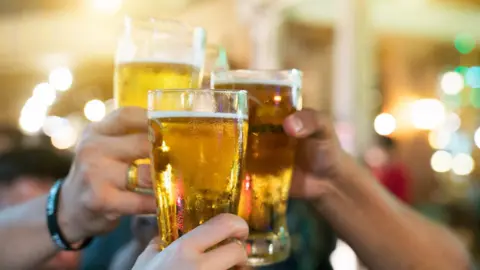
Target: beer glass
[198,139]
[216,59]
[155,54]
[273,95]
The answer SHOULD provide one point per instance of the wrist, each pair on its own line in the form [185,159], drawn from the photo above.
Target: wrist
[67,221]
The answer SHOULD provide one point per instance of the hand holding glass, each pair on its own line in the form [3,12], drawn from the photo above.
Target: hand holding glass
[273,95]
[198,142]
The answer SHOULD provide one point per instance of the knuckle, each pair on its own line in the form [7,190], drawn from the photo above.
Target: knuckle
[86,150]
[231,222]
[124,114]
[181,247]
[94,198]
[121,114]
[224,219]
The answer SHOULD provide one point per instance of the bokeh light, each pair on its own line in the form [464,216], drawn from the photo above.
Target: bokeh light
[44,93]
[452,122]
[107,6]
[452,83]
[94,110]
[460,142]
[475,97]
[439,138]
[343,257]
[426,114]
[452,102]
[64,137]
[476,137]
[53,124]
[61,78]
[441,161]
[464,43]
[34,107]
[463,164]
[385,124]
[472,77]
[462,70]
[32,116]
[31,124]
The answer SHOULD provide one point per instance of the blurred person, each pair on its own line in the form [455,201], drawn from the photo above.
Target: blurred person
[92,198]
[26,174]
[10,137]
[386,165]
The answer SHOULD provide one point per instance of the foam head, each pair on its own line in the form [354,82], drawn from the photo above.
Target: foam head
[195,114]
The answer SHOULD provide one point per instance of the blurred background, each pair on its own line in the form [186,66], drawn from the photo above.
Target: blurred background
[406,69]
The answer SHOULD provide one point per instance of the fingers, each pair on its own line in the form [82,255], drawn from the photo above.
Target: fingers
[225,257]
[126,148]
[144,176]
[214,231]
[309,123]
[130,203]
[122,121]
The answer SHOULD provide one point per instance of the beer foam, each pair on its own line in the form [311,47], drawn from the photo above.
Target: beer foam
[278,82]
[195,114]
[163,60]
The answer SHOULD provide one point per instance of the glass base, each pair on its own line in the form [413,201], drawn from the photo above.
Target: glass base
[267,249]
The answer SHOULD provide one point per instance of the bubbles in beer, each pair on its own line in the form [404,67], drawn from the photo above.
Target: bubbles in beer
[203,158]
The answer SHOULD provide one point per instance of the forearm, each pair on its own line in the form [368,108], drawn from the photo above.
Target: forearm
[126,257]
[25,240]
[384,233]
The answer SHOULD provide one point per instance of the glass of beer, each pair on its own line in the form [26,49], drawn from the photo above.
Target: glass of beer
[273,95]
[216,59]
[198,139]
[156,54]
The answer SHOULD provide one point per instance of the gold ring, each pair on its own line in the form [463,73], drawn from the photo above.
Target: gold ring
[132,177]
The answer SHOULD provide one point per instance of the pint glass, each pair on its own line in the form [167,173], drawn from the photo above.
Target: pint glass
[273,95]
[156,54]
[198,142]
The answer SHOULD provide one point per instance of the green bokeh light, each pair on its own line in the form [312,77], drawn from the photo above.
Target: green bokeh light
[452,102]
[464,43]
[475,97]
[462,70]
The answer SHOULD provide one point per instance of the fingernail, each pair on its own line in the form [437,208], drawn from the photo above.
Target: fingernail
[296,123]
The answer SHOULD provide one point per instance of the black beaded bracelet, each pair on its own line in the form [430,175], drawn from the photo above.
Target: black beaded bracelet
[55,233]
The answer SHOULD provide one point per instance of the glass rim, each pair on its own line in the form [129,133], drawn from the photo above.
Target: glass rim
[200,90]
[264,71]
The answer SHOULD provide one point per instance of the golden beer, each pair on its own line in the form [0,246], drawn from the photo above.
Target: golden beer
[269,164]
[133,80]
[197,157]
[155,54]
